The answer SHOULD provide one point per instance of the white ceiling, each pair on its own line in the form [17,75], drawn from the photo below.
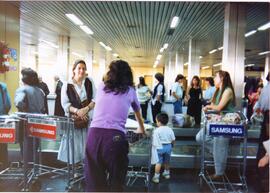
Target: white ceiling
[137,30]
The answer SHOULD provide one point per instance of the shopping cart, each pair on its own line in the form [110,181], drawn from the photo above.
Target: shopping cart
[139,155]
[42,127]
[9,134]
[237,135]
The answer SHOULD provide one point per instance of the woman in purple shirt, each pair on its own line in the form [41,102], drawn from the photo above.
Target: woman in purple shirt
[107,147]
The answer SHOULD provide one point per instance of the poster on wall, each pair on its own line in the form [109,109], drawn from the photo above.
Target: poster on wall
[8,56]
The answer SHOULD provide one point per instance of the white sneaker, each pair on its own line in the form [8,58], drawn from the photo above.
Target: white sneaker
[155,180]
[166,175]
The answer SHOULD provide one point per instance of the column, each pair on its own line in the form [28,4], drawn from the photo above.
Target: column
[267,57]
[233,58]
[89,62]
[63,53]
[193,60]
[179,63]
[266,67]
[102,64]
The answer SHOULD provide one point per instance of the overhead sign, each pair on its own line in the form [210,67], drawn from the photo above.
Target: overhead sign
[46,130]
[8,133]
[226,130]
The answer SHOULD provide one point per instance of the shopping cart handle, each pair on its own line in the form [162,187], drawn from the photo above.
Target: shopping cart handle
[211,112]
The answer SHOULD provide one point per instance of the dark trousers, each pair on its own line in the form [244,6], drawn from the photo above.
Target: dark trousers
[3,155]
[156,109]
[144,110]
[106,160]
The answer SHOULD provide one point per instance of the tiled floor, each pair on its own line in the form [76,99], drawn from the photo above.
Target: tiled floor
[182,180]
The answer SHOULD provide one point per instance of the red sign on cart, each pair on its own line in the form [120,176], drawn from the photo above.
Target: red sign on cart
[46,131]
[7,135]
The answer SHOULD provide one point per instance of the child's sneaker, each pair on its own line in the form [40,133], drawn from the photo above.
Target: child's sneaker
[166,175]
[155,179]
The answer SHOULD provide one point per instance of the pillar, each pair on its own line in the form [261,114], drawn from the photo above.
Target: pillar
[63,53]
[233,58]
[193,60]
[179,63]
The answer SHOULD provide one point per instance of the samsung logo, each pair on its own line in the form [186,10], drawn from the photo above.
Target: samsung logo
[226,130]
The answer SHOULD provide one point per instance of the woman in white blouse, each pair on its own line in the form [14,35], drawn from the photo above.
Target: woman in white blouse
[77,99]
[144,94]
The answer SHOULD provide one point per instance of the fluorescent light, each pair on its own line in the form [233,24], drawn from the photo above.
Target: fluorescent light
[250,33]
[165,46]
[76,54]
[263,53]
[101,43]
[108,48]
[115,55]
[74,19]
[86,29]
[174,22]
[264,27]
[200,57]
[161,50]
[220,48]
[49,43]
[159,57]
[186,64]
[248,65]
[219,64]
[205,67]
[212,51]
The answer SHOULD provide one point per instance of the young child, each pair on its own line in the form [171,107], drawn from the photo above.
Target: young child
[166,137]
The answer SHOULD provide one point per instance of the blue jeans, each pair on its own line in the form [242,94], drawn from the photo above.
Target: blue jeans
[177,106]
[164,154]
[219,147]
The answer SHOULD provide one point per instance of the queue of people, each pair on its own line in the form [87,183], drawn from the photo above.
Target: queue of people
[99,133]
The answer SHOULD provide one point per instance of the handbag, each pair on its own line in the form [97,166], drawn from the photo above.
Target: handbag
[80,123]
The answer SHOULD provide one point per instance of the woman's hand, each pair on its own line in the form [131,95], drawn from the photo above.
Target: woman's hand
[139,130]
[263,161]
[83,111]
[207,107]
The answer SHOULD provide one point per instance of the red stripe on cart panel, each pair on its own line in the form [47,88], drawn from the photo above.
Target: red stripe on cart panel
[7,135]
[42,130]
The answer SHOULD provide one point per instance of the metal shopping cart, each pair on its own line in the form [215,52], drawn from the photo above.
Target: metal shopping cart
[9,134]
[139,155]
[40,128]
[217,127]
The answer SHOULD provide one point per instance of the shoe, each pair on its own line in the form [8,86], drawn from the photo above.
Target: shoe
[76,175]
[216,177]
[155,180]
[166,175]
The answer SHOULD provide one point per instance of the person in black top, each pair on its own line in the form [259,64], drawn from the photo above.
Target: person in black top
[43,86]
[158,95]
[58,109]
[194,96]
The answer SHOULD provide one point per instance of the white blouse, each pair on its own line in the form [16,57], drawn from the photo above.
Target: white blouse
[79,89]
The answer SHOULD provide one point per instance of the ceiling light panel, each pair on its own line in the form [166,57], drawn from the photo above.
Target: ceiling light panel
[74,19]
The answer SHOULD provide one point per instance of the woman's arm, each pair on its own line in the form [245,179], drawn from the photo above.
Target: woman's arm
[7,99]
[226,97]
[140,121]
